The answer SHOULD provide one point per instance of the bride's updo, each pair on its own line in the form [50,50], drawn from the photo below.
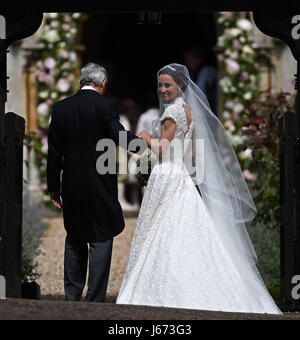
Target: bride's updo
[176,73]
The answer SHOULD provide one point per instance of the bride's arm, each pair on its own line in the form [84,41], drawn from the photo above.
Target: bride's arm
[167,134]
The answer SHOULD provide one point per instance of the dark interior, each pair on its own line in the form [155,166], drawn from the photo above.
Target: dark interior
[133,52]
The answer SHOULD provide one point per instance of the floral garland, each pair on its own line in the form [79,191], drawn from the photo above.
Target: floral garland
[55,75]
[239,71]
[251,118]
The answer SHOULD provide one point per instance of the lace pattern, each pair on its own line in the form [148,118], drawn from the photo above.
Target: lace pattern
[176,112]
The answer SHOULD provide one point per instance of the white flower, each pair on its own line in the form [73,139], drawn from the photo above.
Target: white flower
[63,85]
[53,95]
[244,24]
[52,15]
[73,30]
[238,108]
[65,27]
[76,15]
[73,57]
[44,94]
[50,63]
[221,20]
[226,115]
[249,176]
[54,24]
[65,66]
[52,36]
[234,55]
[229,125]
[247,49]
[247,96]
[225,82]
[236,44]
[67,18]
[235,32]
[227,15]
[43,109]
[221,41]
[247,154]
[232,66]
[63,54]
[236,140]
[229,104]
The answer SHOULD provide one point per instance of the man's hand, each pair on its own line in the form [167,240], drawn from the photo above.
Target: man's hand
[56,199]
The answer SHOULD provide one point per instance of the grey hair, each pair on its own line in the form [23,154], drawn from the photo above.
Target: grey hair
[92,73]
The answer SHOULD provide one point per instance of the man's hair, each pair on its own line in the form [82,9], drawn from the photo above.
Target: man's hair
[92,73]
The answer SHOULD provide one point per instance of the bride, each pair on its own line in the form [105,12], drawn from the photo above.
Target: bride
[191,249]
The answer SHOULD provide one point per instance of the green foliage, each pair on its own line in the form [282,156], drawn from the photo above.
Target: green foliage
[238,69]
[56,74]
[251,119]
[33,230]
[263,145]
[29,270]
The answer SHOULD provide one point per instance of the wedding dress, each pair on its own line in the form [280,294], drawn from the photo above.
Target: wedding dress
[177,257]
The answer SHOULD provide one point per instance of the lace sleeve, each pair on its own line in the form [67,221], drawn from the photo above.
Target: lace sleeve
[170,112]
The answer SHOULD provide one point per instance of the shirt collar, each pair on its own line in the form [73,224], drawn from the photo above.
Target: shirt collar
[88,88]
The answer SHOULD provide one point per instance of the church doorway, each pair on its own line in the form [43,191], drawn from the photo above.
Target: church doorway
[134,51]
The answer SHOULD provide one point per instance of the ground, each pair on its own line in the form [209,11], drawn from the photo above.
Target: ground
[52,305]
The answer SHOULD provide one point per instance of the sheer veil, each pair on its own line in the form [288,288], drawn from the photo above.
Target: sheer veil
[219,177]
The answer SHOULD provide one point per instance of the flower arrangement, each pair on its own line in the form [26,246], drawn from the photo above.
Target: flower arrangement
[238,71]
[251,119]
[262,149]
[55,74]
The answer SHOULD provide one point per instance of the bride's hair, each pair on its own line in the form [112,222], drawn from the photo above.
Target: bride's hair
[176,74]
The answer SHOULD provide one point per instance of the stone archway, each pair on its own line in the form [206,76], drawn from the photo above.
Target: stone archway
[196,6]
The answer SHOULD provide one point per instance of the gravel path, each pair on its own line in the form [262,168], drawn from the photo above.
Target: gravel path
[52,256]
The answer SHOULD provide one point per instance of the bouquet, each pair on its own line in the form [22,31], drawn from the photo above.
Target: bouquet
[146,163]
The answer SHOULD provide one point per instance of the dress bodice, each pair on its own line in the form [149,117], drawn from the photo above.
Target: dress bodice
[183,133]
[175,111]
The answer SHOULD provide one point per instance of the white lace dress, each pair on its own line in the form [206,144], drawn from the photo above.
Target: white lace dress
[176,258]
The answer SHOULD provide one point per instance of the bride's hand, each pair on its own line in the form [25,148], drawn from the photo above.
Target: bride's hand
[146,137]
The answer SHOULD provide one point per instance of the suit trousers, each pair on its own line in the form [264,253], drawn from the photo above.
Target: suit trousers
[77,256]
